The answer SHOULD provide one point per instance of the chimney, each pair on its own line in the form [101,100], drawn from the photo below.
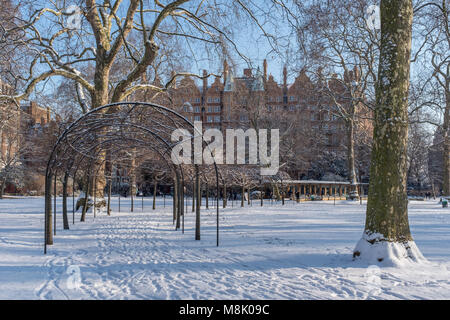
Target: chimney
[225,72]
[174,85]
[48,115]
[356,72]
[205,80]
[248,73]
[265,70]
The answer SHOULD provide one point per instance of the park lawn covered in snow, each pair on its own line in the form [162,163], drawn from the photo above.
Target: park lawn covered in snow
[299,251]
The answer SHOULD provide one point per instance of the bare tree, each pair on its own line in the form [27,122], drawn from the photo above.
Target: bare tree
[341,51]
[433,82]
[89,54]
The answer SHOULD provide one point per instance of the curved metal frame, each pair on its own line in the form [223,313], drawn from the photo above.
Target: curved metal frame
[62,143]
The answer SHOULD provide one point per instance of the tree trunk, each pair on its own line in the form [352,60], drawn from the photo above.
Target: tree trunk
[100,97]
[243,196]
[48,209]
[193,196]
[65,217]
[207,196]
[98,178]
[109,196]
[2,188]
[86,198]
[351,153]
[225,196]
[446,141]
[261,195]
[387,235]
[155,186]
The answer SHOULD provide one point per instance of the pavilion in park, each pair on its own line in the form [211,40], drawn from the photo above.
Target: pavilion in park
[309,189]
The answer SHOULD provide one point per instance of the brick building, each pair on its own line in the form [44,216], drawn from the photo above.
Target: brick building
[307,118]
[22,128]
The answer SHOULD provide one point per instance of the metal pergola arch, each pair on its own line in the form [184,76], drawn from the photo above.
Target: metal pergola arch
[101,119]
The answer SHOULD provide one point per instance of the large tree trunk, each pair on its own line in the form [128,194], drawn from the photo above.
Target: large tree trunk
[100,97]
[387,236]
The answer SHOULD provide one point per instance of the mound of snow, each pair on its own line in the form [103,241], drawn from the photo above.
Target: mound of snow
[375,250]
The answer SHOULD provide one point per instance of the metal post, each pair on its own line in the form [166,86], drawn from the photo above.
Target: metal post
[95,196]
[120,186]
[54,207]
[73,199]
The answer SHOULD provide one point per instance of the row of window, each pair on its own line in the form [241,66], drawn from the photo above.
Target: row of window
[270,108]
[244,99]
[212,119]
[197,109]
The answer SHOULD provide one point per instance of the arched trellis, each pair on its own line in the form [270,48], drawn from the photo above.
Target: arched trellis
[131,125]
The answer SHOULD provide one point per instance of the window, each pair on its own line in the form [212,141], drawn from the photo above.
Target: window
[210,109]
[292,108]
[217,119]
[209,119]
[217,109]
[197,109]
[269,108]
[333,128]
[292,98]
[198,118]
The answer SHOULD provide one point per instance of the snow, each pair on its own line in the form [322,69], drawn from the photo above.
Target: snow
[299,251]
[388,253]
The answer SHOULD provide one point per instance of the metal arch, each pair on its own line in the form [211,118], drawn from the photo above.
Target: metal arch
[50,165]
[92,157]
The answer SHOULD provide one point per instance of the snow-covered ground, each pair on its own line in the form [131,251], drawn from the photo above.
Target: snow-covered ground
[299,251]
